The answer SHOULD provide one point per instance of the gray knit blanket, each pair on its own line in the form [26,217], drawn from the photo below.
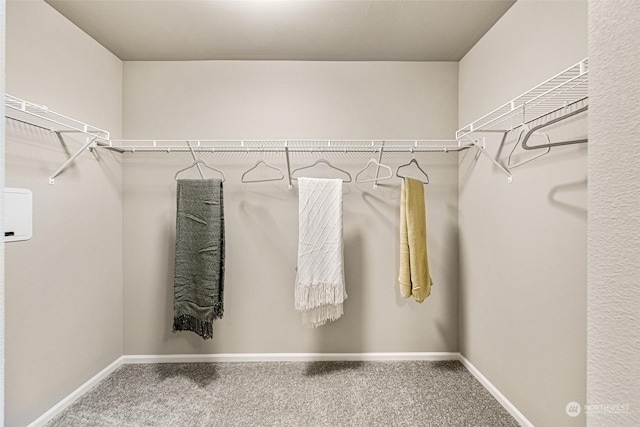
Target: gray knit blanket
[199,268]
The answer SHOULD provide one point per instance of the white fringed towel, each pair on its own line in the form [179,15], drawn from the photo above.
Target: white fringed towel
[320,288]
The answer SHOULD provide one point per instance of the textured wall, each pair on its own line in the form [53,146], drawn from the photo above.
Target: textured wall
[523,245]
[278,100]
[613,372]
[2,309]
[64,286]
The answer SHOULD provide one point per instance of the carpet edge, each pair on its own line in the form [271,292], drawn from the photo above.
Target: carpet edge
[501,398]
[76,394]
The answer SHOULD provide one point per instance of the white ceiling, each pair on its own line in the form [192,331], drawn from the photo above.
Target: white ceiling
[148,30]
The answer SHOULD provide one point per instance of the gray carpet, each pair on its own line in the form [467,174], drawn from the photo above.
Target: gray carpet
[288,394]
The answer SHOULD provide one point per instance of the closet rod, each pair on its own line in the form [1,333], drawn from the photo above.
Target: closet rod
[387,149]
[290,146]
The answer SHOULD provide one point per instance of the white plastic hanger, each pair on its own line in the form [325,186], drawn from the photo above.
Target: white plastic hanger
[263,162]
[326,163]
[198,163]
[378,165]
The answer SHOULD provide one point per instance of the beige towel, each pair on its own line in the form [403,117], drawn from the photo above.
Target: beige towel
[414,275]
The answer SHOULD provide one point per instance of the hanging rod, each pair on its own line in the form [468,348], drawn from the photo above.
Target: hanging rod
[292,146]
[560,91]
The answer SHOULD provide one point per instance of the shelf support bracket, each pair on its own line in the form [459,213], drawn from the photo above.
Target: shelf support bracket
[481,146]
[195,159]
[286,153]
[90,142]
[375,181]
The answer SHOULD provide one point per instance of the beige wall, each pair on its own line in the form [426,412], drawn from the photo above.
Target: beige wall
[522,298]
[613,374]
[523,245]
[64,286]
[289,100]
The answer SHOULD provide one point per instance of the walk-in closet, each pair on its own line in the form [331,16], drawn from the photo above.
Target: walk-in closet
[320,213]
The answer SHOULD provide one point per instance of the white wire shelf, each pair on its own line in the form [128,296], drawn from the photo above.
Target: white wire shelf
[40,116]
[562,91]
[292,146]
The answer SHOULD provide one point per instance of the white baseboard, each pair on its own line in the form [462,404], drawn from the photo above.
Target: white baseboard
[510,407]
[75,395]
[286,357]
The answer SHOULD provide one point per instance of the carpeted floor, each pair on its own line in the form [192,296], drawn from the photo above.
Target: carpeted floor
[288,394]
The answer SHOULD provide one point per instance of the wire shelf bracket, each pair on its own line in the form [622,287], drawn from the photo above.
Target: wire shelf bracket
[481,145]
[42,117]
[561,91]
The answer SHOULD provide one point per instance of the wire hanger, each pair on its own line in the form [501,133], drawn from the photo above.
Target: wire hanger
[378,166]
[415,162]
[326,163]
[549,123]
[198,163]
[263,162]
